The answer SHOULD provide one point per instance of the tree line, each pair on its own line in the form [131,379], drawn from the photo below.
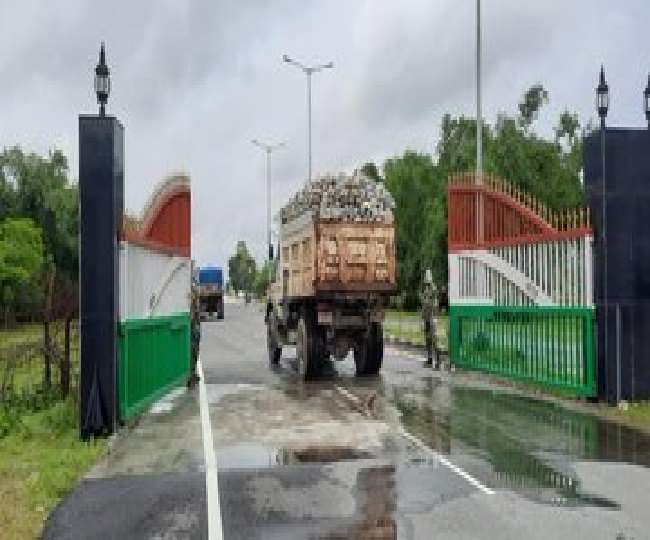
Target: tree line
[39,225]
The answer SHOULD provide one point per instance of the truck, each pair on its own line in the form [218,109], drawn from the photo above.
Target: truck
[334,276]
[211,291]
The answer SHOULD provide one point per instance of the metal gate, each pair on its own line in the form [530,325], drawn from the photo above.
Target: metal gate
[520,286]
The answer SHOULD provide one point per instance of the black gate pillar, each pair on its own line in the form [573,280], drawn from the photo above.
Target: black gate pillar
[623,311]
[101,187]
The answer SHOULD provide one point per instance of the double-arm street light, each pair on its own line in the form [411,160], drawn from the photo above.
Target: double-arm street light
[268,149]
[308,70]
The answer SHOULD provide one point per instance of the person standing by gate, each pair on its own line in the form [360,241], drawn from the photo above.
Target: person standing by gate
[429,302]
[195,334]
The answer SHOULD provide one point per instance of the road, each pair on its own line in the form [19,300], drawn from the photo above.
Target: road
[410,454]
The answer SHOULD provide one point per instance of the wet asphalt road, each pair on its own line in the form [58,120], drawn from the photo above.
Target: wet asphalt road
[342,457]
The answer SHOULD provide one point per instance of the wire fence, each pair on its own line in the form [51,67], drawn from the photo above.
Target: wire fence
[39,364]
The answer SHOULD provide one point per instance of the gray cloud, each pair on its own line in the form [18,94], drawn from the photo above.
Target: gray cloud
[195,81]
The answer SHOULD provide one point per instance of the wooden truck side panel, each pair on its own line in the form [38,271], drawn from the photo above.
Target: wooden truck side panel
[329,256]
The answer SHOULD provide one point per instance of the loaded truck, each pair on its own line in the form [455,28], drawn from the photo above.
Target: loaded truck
[211,291]
[335,272]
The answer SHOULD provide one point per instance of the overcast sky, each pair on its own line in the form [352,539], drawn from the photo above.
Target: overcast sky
[194,82]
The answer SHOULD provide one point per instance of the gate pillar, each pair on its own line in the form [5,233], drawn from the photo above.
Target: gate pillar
[101,189]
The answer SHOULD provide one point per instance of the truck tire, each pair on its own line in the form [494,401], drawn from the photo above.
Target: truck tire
[220,310]
[308,348]
[274,349]
[369,354]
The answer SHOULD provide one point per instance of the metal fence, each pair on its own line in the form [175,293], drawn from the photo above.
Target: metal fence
[39,364]
[552,346]
[154,356]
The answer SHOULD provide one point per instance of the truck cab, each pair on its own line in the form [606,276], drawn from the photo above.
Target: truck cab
[211,292]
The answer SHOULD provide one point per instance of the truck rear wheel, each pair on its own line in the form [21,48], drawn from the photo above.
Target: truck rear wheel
[369,355]
[308,348]
[274,349]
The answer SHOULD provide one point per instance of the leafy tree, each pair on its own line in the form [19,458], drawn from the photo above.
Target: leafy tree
[420,217]
[38,187]
[21,261]
[264,277]
[371,171]
[533,100]
[241,269]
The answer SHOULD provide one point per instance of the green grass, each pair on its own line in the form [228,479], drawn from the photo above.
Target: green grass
[408,325]
[637,414]
[22,334]
[40,462]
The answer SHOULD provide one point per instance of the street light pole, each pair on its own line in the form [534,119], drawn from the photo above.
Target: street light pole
[602,103]
[479,105]
[309,71]
[268,150]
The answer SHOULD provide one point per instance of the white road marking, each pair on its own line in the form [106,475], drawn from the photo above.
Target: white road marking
[417,442]
[215,528]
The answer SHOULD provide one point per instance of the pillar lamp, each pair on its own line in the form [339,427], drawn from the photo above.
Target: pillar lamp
[102,81]
[602,96]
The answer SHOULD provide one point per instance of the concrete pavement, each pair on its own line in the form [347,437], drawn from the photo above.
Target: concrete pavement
[342,457]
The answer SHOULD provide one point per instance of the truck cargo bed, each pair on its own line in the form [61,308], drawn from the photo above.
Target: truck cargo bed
[327,256]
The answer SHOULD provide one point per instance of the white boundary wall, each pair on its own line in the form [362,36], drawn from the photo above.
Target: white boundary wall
[153,283]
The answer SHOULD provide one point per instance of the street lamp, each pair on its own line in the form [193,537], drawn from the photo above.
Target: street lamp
[602,104]
[646,101]
[102,81]
[268,149]
[602,97]
[308,70]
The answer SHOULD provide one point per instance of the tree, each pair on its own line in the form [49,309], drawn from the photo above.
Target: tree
[371,171]
[264,277]
[21,261]
[38,187]
[420,221]
[533,100]
[241,269]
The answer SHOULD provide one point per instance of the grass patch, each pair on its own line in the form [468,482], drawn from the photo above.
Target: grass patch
[21,334]
[408,325]
[635,414]
[40,462]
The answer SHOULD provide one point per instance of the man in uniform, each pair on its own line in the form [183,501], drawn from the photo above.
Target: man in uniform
[429,304]
[195,334]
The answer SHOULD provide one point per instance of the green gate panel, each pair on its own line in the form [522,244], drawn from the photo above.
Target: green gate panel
[550,346]
[154,357]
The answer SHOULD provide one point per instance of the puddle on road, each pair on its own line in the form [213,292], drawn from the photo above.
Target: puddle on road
[256,456]
[529,445]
